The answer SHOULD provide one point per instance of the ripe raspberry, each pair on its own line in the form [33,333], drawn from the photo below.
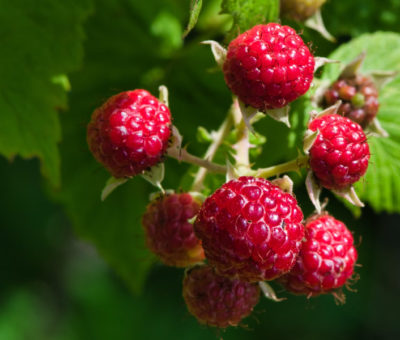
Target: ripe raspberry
[300,10]
[168,232]
[268,66]
[340,154]
[250,229]
[129,133]
[359,98]
[216,300]
[326,260]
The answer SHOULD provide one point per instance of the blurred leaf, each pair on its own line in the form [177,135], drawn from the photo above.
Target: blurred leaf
[381,186]
[169,31]
[360,16]
[248,13]
[195,8]
[41,41]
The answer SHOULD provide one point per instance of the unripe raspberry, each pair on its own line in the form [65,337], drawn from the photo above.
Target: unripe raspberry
[250,229]
[268,66]
[168,232]
[359,98]
[300,10]
[216,300]
[340,154]
[326,260]
[129,133]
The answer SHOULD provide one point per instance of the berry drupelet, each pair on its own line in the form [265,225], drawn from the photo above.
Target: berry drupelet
[168,232]
[250,229]
[268,66]
[129,133]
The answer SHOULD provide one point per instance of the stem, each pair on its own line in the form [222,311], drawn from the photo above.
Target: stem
[293,165]
[242,145]
[183,155]
[218,138]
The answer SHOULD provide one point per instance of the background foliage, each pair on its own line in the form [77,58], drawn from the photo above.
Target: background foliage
[59,61]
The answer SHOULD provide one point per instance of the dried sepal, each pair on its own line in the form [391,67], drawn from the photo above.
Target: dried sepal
[350,195]
[314,191]
[218,51]
[281,115]
[317,23]
[111,184]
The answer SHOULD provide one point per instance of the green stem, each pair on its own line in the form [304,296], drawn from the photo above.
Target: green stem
[184,156]
[218,138]
[293,165]
[242,145]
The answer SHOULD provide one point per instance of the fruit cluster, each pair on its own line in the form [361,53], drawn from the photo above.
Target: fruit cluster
[251,229]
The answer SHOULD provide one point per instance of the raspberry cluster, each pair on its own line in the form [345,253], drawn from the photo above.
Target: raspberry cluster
[340,154]
[169,234]
[359,98]
[250,229]
[268,66]
[216,300]
[129,133]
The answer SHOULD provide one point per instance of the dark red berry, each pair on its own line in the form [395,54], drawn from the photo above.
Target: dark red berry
[129,133]
[326,260]
[340,154]
[300,10]
[168,231]
[216,300]
[250,229]
[268,66]
[359,98]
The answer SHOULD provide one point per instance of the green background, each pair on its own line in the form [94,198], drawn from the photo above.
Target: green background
[61,60]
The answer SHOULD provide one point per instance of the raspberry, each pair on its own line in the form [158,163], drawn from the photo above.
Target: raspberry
[250,229]
[129,133]
[216,300]
[326,260]
[268,66]
[340,154]
[168,232]
[300,10]
[359,98]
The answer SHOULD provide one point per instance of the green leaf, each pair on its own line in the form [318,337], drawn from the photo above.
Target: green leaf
[195,8]
[381,185]
[248,13]
[112,65]
[41,42]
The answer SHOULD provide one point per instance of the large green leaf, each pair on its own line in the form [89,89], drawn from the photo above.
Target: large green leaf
[121,55]
[41,41]
[381,186]
[247,13]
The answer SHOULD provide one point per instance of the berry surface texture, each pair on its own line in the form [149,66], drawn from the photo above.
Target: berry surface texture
[268,66]
[168,232]
[216,300]
[327,258]
[359,98]
[250,229]
[129,133]
[339,156]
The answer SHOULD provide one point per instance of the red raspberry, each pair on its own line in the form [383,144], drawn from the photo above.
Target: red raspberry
[216,300]
[340,154]
[359,98]
[250,229]
[129,133]
[268,66]
[326,260]
[168,232]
